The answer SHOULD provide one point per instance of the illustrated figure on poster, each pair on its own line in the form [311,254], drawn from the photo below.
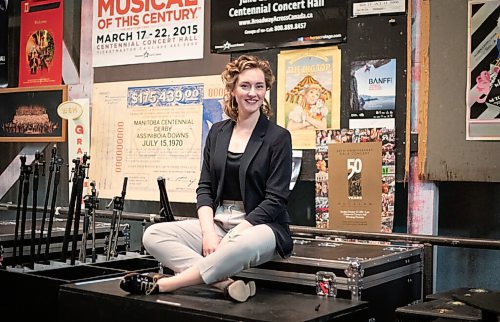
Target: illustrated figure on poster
[242,216]
[311,112]
[488,81]
[40,51]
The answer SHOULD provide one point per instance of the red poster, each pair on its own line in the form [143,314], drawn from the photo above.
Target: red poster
[40,43]
[4,27]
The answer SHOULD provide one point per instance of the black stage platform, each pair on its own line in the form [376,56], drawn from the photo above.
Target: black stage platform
[103,300]
[461,304]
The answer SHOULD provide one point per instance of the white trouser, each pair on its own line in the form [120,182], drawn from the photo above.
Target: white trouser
[178,244]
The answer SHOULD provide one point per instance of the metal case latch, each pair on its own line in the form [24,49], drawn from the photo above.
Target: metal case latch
[354,273]
[326,284]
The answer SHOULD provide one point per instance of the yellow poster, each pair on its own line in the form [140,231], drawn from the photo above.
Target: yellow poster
[308,93]
[146,129]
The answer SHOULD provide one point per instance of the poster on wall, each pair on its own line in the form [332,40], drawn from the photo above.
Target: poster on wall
[29,114]
[308,93]
[378,7]
[139,32]
[40,43]
[348,200]
[77,114]
[4,26]
[483,71]
[146,129]
[354,181]
[242,25]
[372,89]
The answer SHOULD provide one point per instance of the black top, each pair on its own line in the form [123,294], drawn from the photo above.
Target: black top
[265,173]
[231,189]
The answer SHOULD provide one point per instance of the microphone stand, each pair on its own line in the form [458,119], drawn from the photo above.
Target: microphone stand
[91,202]
[26,192]
[115,221]
[18,212]
[80,180]
[36,177]
[46,202]
[71,209]
[166,213]
[95,203]
[59,162]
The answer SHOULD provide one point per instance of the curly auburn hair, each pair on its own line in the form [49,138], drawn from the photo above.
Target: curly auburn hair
[230,77]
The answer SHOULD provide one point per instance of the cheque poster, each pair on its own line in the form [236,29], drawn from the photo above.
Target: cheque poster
[308,93]
[483,71]
[377,211]
[146,129]
[143,31]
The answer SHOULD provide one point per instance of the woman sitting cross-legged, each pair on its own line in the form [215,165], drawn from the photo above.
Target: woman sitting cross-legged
[241,196]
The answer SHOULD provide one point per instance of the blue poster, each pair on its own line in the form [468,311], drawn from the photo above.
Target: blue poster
[373,88]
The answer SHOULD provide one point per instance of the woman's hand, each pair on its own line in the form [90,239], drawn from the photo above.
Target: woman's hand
[210,239]
[210,242]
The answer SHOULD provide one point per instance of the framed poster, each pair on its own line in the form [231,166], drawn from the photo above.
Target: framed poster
[29,114]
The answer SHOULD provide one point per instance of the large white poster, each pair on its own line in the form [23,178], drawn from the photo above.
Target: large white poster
[483,71]
[146,129]
[143,31]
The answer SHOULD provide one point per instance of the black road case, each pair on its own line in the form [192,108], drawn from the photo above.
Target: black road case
[386,276]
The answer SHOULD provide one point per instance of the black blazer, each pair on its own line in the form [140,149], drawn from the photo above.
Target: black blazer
[265,174]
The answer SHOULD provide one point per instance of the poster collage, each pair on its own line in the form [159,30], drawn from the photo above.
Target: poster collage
[309,107]
[308,96]
[352,197]
[143,129]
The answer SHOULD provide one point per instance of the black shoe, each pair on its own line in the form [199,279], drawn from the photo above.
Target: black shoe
[136,283]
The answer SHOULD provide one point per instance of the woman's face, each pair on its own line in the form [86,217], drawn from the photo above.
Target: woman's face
[312,96]
[249,91]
